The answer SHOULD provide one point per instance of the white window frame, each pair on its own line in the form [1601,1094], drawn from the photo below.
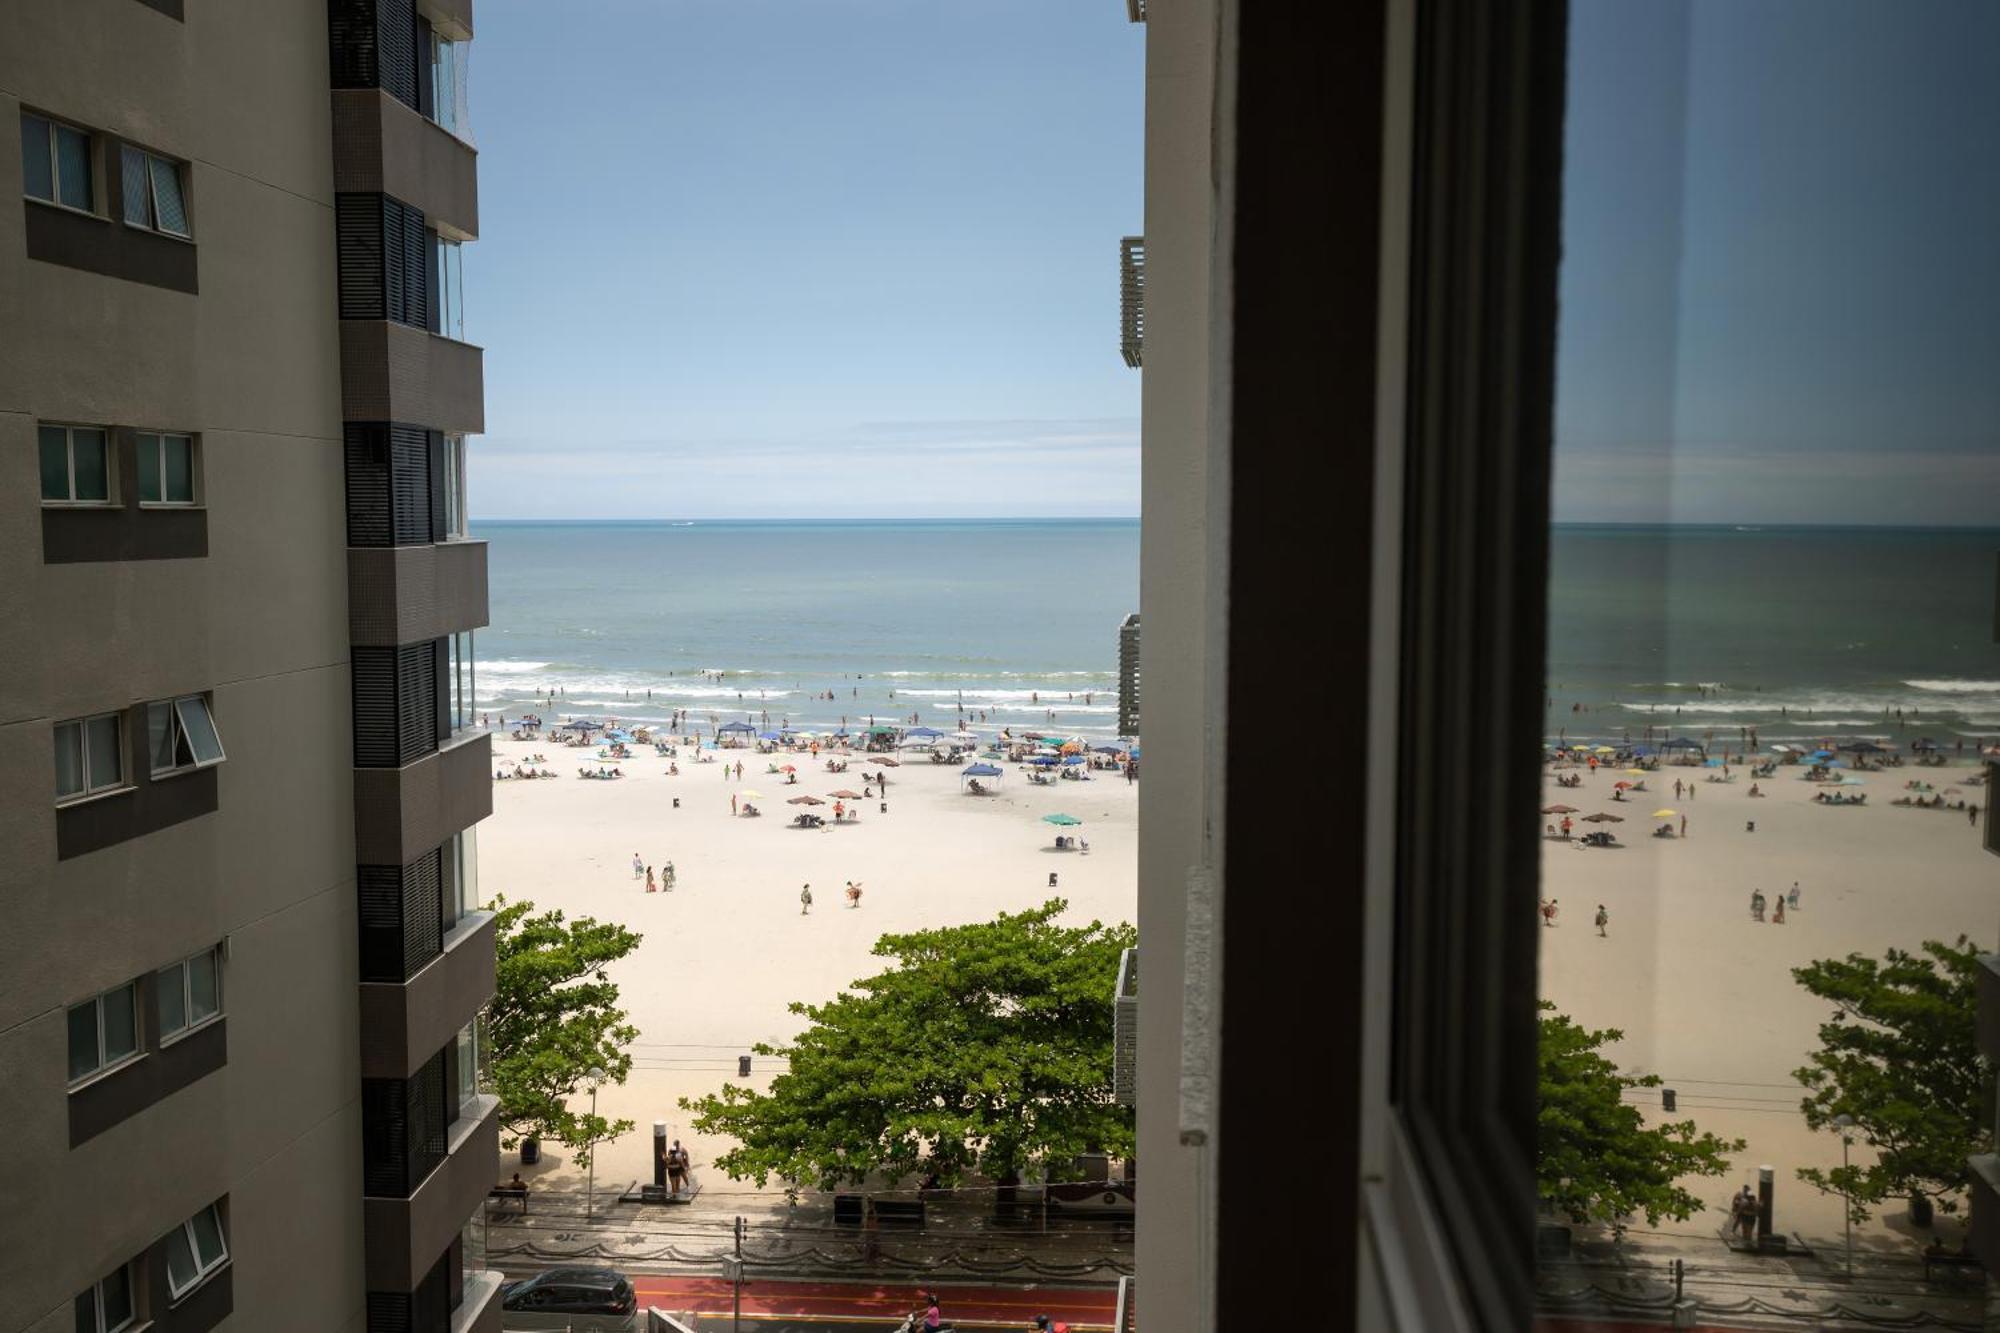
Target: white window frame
[202,1272]
[96,1294]
[457,519]
[466,1053]
[156,440]
[460,870]
[184,979]
[69,430]
[147,157]
[55,166]
[463,695]
[450,279]
[104,1064]
[178,729]
[92,790]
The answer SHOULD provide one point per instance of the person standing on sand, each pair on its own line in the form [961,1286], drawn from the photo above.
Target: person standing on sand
[651,886]
[1566,826]
[853,894]
[1793,896]
[1684,826]
[638,866]
[1549,912]
[732,803]
[1778,912]
[1603,920]
[1756,904]
[805,899]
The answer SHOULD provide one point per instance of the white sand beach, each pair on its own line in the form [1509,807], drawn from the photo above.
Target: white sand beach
[727,949]
[1702,992]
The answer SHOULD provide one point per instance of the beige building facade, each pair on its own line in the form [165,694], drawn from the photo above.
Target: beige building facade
[237,1096]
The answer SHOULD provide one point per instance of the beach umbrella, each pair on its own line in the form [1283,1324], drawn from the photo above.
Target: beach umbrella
[751,795]
[1664,814]
[1072,759]
[887,762]
[805,800]
[1601,818]
[846,795]
[1064,820]
[583,724]
[1109,749]
[788,769]
[1606,749]
[923,731]
[1621,785]
[1636,772]
[1558,809]
[1044,760]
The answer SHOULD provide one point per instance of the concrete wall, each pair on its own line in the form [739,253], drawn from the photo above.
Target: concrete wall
[1177,601]
[250,364]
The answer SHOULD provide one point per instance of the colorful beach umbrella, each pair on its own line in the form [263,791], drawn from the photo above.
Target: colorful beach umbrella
[805,800]
[1665,814]
[1061,819]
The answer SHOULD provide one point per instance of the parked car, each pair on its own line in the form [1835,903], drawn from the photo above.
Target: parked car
[586,1300]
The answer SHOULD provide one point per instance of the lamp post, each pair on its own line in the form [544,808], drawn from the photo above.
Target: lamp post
[596,1077]
[1845,1122]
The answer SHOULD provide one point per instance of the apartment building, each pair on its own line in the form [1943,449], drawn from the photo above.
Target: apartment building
[242,971]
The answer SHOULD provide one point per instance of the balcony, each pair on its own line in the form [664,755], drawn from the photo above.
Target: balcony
[401,813]
[403,1025]
[393,372]
[405,594]
[479,1312]
[404,1237]
[381,146]
[450,19]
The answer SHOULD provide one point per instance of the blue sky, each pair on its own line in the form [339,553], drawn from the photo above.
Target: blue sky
[1781,284]
[767,258]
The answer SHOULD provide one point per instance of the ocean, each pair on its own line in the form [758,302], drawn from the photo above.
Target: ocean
[1799,632]
[1015,618]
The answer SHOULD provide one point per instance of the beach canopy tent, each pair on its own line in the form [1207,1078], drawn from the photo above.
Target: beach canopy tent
[1061,820]
[1680,743]
[582,724]
[980,771]
[1925,743]
[1865,747]
[1044,760]
[881,729]
[805,800]
[735,727]
[923,731]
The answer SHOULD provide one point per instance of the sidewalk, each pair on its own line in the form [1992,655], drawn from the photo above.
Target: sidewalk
[1634,1278]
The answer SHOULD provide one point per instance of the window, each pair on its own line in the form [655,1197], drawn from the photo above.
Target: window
[448,83]
[190,992]
[461,876]
[467,1062]
[166,469]
[90,756]
[457,522]
[451,290]
[55,162]
[76,465]
[195,1249]
[180,735]
[154,197]
[103,1032]
[462,714]
[108,1306]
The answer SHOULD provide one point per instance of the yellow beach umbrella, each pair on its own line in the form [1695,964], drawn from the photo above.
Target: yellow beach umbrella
[1605,749]
[758,795]
[1636,772]
[1664,814]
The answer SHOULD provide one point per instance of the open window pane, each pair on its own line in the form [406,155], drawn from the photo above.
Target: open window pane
[93,477]
[177,468]
[121,1024]
[137,189]
[82,1039]
[205,745]
[72,167]
[38,179]
[69,759]
[167,196]
[104,764]
[149,467]
[209,1249]
[115,1300]
[54,446]
[204,992]
[180,1261]
[173,999]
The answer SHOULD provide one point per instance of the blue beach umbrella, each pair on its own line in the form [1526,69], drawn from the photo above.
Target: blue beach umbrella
[979,771]
[1043,760]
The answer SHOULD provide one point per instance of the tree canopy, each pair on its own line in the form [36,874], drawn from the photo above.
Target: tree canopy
[1901,1056]
[984,1048]
[554,1018]
[1597,1160]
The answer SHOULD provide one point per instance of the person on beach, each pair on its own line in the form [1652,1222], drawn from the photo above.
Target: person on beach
[1684,826]
[732,803]
[1793,897]
[805,899]
[667,876]
[853,894]
[1566,827]
[1603,919]
[1548,911]
[651,885]
[1677,789]
[1756,904]
[1778,912]
[638,865]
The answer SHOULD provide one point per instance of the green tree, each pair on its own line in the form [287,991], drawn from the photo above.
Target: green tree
[555,1017]
[1900,1055]
[986,1048]
[1596,1158]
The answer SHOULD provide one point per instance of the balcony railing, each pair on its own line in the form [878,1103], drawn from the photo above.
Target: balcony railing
[1125,1031]
[1132,298]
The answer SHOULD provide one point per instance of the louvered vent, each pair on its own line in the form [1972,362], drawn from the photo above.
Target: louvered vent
[1132,298]
[416,700]
[395,704]
[352,43]
[358,237]
[410,484]
[369,514]
[423,913]
[397,20]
